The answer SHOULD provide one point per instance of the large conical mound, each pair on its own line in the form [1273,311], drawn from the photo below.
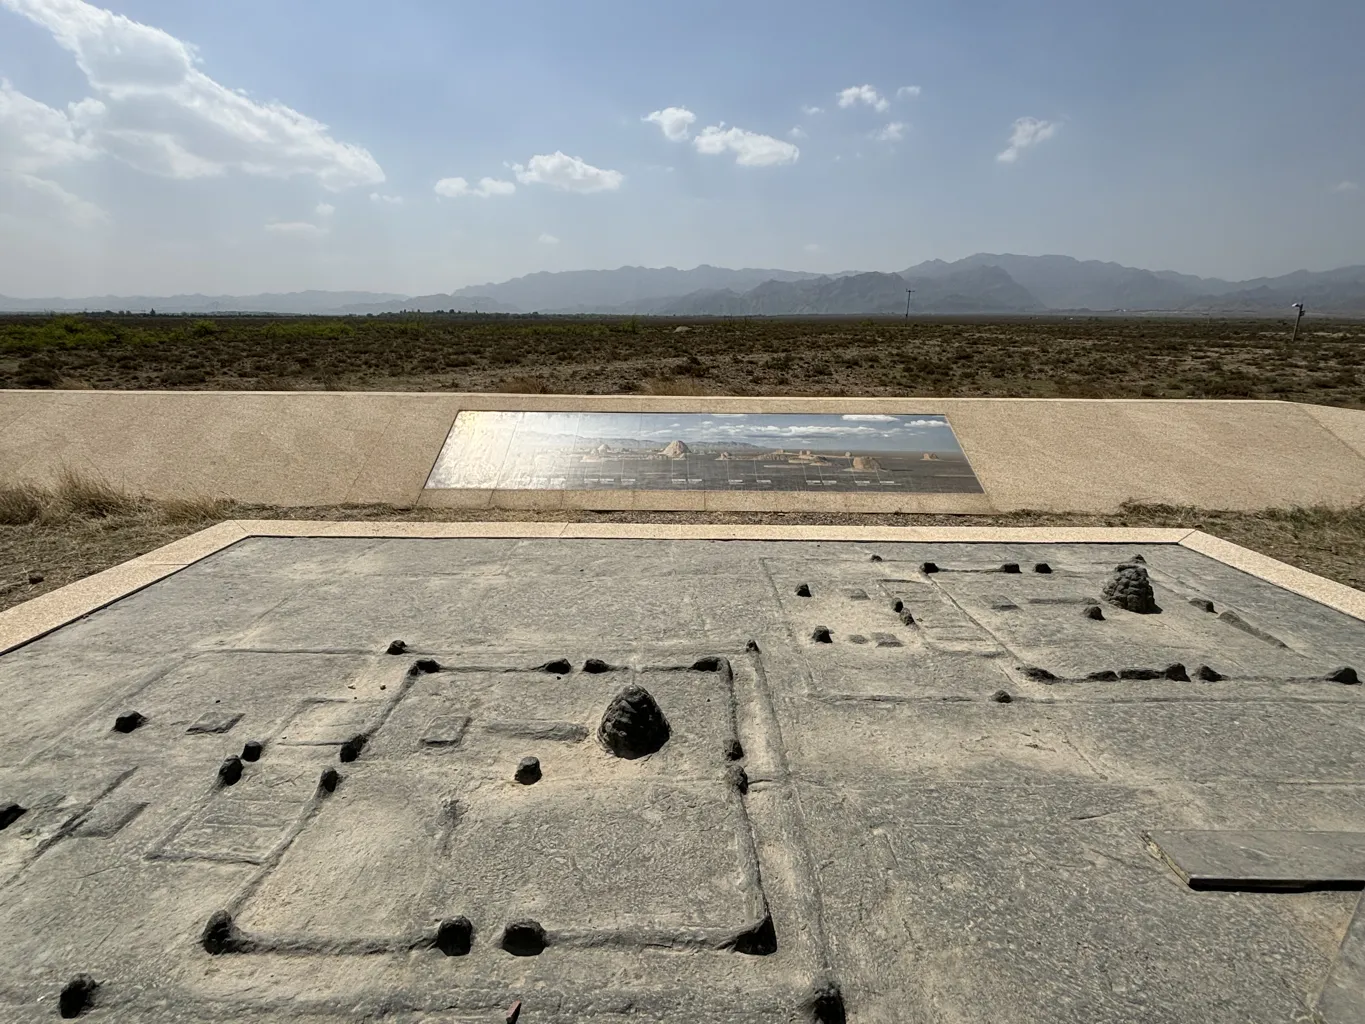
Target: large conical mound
[1130,588]
[633,725]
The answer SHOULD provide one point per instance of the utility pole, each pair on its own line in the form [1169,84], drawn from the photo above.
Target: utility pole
[908,292]
[1298,307]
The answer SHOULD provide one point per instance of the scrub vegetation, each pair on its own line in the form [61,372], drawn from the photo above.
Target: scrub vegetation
[1066,357]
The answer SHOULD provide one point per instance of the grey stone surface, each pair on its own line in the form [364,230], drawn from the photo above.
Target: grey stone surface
[842,829]
[1270,859]
[1343,994]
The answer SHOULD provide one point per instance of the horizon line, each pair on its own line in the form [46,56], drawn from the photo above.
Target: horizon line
[666,267]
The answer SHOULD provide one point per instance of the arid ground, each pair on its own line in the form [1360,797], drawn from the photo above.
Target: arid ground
[1053,356]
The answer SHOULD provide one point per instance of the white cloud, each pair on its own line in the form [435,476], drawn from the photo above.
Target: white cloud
[1028,131]
[854,425]
[295,228]
[452,188]
[811,247]
[1346,186]
[908,90]
[548,239]
[40,197]
[893,132]
[489,187]
[813,430]
[34,138]
[324,209]
[750,148]
[385,200]
[155,109]
[797,133]
[676,122]
[455,188]
[812,111]
[567,173]
[855,94]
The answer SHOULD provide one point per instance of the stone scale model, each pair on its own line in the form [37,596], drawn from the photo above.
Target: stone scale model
[606,781]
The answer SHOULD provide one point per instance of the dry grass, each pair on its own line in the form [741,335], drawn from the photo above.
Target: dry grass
[194,511]
[523,386]
[75,497]
[674,386]
[85,497]
[55,535]
[21,504]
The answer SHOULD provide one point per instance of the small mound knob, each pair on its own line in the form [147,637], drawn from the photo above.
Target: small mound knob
[633,725]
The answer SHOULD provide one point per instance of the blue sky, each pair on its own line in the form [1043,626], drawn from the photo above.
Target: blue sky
[414,146]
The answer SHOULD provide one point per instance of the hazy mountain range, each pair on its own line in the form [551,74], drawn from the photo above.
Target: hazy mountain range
[984,283]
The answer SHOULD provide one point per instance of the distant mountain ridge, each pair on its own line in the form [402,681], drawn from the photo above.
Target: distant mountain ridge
[592,291]
[981,283]
[974,290]
[1060,282]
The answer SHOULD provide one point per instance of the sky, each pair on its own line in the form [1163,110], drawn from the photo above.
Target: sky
[156,147]
[488,431]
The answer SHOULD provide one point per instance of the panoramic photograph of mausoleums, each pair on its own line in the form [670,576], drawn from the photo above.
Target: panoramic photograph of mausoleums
[703,451]
[620,512]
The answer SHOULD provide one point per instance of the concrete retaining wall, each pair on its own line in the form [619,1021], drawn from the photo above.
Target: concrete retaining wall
[325,448]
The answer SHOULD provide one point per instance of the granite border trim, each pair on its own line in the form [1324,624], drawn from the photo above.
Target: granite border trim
[27,622]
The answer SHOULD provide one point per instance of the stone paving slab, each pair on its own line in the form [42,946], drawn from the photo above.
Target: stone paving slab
[1271,860]
[955,826]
